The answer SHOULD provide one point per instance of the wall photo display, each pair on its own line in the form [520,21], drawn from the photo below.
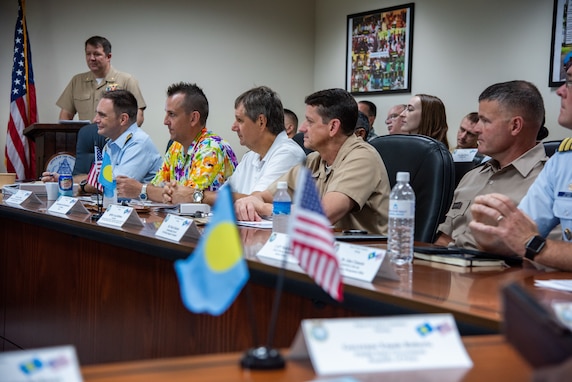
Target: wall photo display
[379,50]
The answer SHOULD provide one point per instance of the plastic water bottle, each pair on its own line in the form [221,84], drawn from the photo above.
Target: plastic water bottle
[281,205]
[401,221]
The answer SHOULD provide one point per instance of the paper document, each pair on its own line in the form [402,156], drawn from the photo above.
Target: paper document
[261,224]
[565,285]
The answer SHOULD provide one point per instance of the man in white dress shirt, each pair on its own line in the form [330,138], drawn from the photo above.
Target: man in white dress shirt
[259,124]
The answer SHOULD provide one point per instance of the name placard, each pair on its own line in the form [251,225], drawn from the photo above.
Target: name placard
[58,364]
[363,263]
[356,261]
[66,205]
[23,198]
[118,216]
[464,155]
[176,227]
[378,344]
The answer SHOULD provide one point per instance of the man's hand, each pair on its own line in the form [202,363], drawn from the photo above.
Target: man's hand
[128,187]
[249,208]
[499,226]
[176,194]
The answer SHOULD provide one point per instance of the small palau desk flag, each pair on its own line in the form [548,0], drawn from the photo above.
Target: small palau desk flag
[106,176]
[214,274]
[312,239]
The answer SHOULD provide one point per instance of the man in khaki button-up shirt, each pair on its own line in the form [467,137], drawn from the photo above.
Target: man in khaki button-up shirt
[510,116]
[84,91]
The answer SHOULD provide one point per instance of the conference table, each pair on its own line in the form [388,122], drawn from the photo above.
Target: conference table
[493,360]
[114,295]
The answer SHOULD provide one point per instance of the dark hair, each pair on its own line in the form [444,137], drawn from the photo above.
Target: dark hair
[371,107]
[433,118]
[97,41]
[335,103]
[472,117]
[195,99]
[123,102]
[363,122]
[520,97]
[291,114]
[265,101]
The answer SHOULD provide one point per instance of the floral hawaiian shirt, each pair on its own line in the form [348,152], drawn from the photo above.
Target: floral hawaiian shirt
[206,165]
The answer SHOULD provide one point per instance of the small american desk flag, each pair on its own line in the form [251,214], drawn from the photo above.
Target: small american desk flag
[312,239]
[93,175]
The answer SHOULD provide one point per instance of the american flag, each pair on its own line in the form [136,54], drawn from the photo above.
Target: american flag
[20,152]
[312,239]
[93,175]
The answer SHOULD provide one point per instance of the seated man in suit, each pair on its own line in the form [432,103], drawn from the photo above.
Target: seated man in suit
[198,160]
[510,116]
[349,173]
[259,124]
[131,150]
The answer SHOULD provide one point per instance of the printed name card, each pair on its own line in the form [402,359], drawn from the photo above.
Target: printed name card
[57,364]
[381,344]
[356,261]
[176,227]
[66,205]
[364,263]
[464,155]
[23,198]
[117,216]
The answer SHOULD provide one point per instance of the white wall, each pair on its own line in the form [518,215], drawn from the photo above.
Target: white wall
[225,46]
[459,48]
[294,46]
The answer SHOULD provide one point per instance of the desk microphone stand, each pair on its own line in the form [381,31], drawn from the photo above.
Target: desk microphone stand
[265,357]
[97,216]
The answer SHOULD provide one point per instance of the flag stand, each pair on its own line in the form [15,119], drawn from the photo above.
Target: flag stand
[266,357]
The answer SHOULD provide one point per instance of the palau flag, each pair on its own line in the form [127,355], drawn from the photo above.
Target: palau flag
[106,176]
[214,274]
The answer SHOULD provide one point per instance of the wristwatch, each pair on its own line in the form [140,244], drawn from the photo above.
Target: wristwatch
[534,246]
[198,196]
[143,194]
[82,185]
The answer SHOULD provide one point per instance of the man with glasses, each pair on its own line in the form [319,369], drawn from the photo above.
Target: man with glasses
[500,226]
[394,121]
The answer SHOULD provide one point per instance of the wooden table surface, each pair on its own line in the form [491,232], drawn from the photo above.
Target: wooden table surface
[493,360]
[113,293]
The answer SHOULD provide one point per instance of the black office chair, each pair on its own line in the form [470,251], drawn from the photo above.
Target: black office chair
[432,176]
[87,138]
[550,147]
[299,139]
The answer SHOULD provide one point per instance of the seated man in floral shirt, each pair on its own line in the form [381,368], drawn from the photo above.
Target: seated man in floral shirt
[197,160]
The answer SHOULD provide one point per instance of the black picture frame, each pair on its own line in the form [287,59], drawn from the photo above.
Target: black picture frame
[561,45]
[379,50]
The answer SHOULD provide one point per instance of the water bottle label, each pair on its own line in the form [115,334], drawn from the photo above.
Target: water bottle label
[281,208]
[402,209]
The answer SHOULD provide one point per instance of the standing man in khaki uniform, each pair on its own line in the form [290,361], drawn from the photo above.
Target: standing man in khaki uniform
[84,91]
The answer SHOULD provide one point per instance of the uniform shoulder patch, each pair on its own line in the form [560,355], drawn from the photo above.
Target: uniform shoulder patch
[565,145]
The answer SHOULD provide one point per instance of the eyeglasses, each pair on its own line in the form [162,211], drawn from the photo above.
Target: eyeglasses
[395,116]
[568,83]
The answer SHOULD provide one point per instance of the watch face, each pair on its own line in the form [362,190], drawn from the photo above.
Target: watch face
[535,244]
[198,196]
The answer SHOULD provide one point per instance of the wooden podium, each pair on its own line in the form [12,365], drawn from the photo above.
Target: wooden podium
[52,138]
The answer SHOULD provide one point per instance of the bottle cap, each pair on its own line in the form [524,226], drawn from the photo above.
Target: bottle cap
[402,177]
[282,185]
